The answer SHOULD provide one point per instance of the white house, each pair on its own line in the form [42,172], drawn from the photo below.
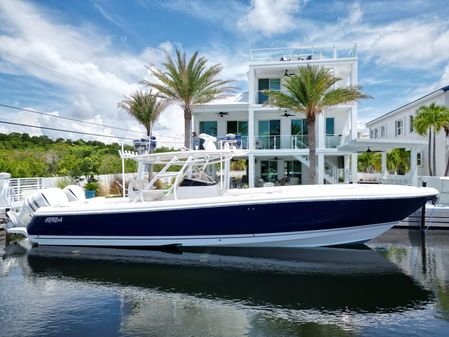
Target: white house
[277,138]
[397,125]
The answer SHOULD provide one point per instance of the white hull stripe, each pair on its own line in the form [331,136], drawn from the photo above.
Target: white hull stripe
[294,239]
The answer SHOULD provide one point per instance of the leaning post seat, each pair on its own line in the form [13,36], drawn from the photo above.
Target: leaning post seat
[74,193]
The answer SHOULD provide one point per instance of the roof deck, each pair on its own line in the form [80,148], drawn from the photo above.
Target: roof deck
[277,55]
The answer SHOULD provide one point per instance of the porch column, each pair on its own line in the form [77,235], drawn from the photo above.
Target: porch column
[320,164]
[251,171]
[251,129]
[346,168]
[320,131]
[383,169]
[280,169]
[354,168]
[413,167]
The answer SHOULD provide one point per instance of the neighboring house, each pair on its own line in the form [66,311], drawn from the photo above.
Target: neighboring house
[398,125]
[277,138]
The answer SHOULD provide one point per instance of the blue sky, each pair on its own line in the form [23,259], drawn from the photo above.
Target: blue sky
[80,58]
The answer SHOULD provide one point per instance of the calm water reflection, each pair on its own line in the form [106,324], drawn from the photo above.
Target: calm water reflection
[399,285]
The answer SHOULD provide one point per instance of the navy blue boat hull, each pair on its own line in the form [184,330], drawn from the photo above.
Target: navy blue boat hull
[282,217]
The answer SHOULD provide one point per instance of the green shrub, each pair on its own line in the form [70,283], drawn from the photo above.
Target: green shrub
[92,186]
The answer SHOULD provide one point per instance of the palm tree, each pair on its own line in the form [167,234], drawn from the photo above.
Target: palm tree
[429,120]
[310,92]
[369,161]
[188,83]
[398,161]
[145,107]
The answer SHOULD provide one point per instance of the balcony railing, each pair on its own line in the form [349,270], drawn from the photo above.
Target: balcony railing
[333,141]
[278,142]
[269,55]
[281,142]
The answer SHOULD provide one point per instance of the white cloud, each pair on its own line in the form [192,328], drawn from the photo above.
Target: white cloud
[270,17]
[78,59]
[444,80]
[109,17]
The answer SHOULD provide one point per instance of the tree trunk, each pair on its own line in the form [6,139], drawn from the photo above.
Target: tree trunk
[429,154]
[187,127]
[312,150]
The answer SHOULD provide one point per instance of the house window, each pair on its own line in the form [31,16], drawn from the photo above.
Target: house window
[371,133]
[241,128]
[267,84]
[209,128]
[419,159]
[330,126]
[269,134]
[269,170]
[376,133]
[238,127]
[399,127]
[383,131]
[300,131]
[411,124]
[292,169]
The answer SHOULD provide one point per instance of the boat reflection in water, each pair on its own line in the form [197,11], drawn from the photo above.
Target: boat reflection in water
[354,280]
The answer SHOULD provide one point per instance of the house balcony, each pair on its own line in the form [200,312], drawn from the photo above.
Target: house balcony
[307,54]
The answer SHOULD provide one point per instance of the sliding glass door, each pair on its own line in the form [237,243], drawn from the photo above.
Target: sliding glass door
[269,134]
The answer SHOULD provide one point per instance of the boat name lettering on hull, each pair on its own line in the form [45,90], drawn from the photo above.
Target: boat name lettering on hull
[53,219]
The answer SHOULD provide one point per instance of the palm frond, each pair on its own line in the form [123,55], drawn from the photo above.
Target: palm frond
[145,107]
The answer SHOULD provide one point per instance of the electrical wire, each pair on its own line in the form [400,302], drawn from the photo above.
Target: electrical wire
[78,132]
[80,121]
[64,130]
[66,118]
[77,80]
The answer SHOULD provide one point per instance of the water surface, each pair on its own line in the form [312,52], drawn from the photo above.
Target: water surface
[397,285]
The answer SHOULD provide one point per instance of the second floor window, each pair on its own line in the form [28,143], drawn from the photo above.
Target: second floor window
[209,128]
[267,84]
[237,127]
[299,127]
[383,131]
[411,124]
[330,126]
[376,133]
[399,127]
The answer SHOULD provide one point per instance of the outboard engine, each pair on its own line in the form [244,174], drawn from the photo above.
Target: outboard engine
[52,196]
[74,193]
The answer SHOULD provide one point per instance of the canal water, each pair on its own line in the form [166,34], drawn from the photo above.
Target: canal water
[398,285]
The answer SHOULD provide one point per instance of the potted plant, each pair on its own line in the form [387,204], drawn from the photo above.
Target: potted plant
[91,188]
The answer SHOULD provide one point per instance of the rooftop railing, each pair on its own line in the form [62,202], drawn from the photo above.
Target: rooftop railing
[268,55]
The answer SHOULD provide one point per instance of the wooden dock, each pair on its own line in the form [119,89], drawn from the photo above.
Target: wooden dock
[435,217]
